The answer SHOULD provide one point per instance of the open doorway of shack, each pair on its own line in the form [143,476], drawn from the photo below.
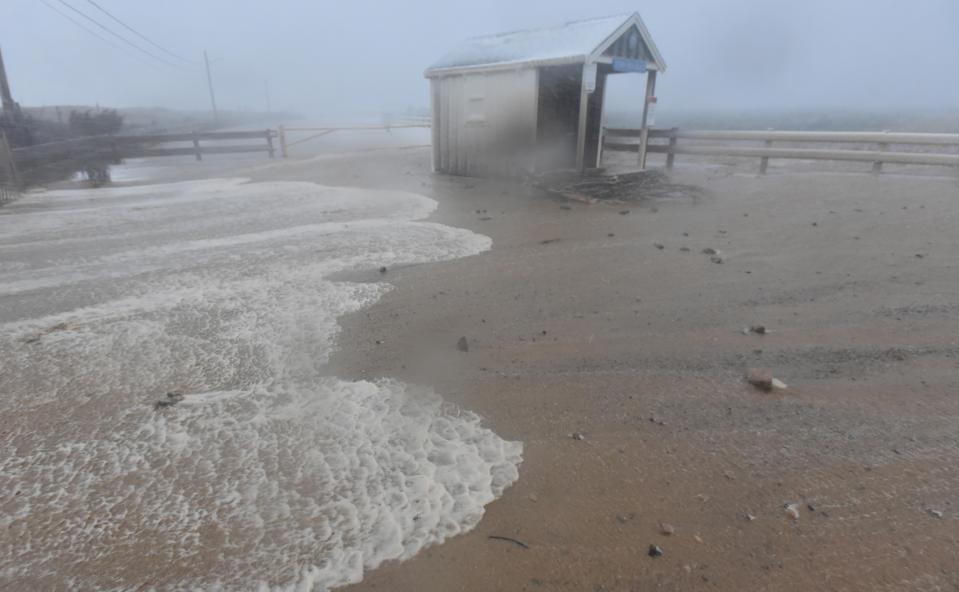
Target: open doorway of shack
[557,122]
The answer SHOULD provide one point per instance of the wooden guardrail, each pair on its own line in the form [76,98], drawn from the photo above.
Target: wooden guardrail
[613,140]
[318,132]
[147,145]
[34,161]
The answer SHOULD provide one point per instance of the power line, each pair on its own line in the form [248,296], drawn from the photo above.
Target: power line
[88,30]
[137,33]
[118,36]
[79,24]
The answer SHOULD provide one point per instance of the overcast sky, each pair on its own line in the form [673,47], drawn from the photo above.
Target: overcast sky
[363,55]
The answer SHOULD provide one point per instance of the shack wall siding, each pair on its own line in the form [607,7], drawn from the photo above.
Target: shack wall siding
[488,123]
[435,124]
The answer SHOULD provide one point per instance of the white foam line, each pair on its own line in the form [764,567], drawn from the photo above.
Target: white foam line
[110,266]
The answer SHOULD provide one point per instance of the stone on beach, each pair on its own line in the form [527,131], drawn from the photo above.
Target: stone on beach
[760,379]
[763,380]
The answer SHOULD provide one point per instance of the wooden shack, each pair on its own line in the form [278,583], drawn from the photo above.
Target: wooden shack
[532,100]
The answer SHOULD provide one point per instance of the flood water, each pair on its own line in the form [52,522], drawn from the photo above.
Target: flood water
[167,417]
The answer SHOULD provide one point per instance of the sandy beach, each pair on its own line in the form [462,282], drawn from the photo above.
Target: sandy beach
[507,296]
[579,323]
[612,346]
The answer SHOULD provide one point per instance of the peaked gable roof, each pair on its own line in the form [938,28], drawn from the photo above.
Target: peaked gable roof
[572,42]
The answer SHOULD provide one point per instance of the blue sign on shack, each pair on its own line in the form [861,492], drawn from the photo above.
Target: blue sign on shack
[628,65]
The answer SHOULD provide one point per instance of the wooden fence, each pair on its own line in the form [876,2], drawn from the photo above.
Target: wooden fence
[39,160]
[319,132]
[878,152]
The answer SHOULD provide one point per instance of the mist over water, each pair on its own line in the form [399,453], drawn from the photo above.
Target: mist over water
[368,57]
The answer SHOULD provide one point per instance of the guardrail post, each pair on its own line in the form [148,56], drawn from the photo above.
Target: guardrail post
[6,158]
[196,146]
[671,156]
[114,151]
[877,165]
[283,149]
[644,130]
[599,147]
[764,162]
[269,143]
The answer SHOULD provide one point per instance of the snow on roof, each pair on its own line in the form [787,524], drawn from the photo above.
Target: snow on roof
[567,43]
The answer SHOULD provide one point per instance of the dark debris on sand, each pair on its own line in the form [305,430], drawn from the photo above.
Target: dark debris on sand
[172,398]
[637,186]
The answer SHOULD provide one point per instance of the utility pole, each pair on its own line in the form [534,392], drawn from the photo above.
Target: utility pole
[9,106]
[209,82]
[269,108]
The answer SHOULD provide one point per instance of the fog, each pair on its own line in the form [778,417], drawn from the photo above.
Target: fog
[331,59]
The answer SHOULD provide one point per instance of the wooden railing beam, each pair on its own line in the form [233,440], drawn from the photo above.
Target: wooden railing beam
[614,141]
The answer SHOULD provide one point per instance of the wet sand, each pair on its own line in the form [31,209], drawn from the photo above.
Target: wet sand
[578,323]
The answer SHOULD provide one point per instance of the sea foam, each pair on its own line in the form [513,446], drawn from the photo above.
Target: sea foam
[269,474]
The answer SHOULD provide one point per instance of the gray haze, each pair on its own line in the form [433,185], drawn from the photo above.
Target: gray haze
[357,56]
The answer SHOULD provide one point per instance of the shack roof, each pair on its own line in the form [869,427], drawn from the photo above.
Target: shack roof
[569,43]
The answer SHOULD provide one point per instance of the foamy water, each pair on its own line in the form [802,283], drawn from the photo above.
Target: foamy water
[269,474]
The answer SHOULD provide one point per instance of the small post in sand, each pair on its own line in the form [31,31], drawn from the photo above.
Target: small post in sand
[196,146]
[269,143]
[283,150]
[644,129]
